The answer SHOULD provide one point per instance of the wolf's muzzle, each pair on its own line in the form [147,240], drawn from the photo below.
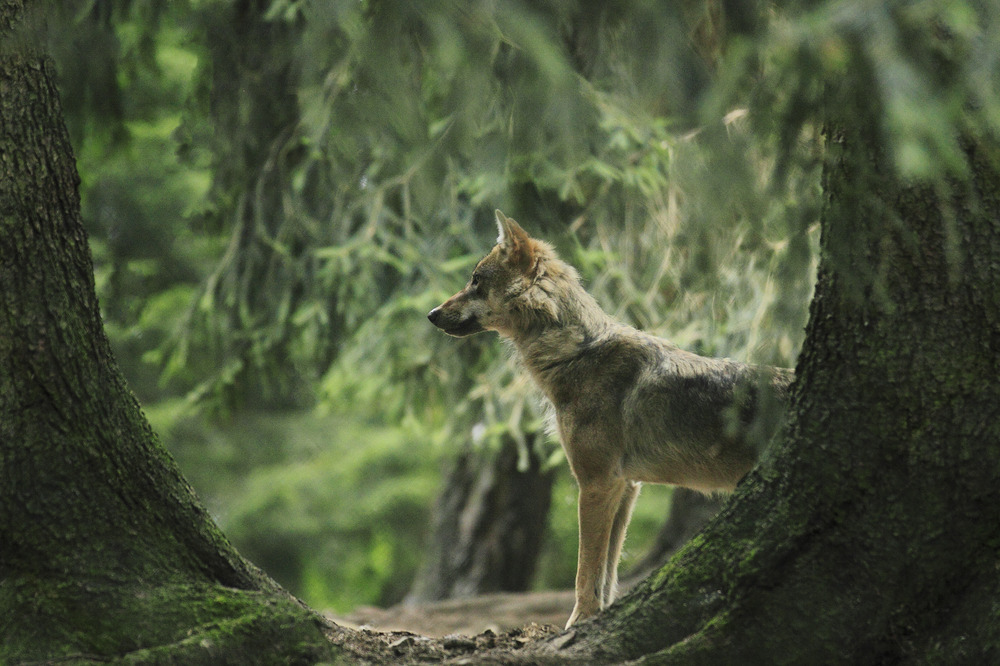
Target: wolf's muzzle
[459,329]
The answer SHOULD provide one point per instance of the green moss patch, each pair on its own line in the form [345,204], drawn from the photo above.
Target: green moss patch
[173,623]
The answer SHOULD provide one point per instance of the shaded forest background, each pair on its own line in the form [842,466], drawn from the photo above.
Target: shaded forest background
[277,192]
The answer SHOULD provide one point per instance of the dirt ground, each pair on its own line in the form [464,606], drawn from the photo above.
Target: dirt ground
[452,630]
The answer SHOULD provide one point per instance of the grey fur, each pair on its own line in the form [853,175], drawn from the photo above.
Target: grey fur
[629,407]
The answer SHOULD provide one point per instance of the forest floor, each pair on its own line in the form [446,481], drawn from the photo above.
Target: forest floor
[450,630]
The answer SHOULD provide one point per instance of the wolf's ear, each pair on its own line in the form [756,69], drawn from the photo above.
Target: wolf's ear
[515,242]
[510,232]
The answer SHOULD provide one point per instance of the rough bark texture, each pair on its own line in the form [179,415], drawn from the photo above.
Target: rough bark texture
[871,532]
[489,524]
[104,549]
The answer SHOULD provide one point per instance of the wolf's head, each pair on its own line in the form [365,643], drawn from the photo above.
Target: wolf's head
[494,299]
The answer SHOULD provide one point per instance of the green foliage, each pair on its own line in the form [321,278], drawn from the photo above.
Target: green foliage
[124,105]
[349,557]
[356,153]
[335,509]
[271,225]
[926,93]
[548,113]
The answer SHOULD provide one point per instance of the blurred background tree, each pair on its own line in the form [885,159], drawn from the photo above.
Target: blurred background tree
[277,191]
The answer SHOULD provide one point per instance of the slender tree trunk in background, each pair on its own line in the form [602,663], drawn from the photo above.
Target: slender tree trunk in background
[490,521]
[258,283]
[871,532]
[104,549]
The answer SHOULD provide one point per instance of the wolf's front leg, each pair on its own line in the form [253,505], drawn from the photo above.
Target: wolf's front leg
[599,502]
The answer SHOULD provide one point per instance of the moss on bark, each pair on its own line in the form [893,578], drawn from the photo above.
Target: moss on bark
[870,533]
[105,552]
[183,622]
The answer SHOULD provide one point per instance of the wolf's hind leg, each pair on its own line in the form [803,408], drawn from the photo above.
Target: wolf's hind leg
[599,503]
[618,529]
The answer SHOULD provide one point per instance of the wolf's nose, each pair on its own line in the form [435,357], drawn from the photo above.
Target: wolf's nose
[433,315]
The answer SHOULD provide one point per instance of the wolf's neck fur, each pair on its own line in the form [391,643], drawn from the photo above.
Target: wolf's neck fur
[558,319]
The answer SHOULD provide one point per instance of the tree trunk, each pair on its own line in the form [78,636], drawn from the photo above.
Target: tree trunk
[104,549]
[489,523]
[690,511]
[868,534]
[871,532]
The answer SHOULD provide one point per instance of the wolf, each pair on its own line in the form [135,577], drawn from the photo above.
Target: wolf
[629,407]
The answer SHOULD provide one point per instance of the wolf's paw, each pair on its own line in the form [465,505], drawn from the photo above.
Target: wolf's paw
[581,612]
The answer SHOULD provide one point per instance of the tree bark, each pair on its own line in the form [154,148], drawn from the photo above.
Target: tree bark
[104,549]
[490,521]
[870,533]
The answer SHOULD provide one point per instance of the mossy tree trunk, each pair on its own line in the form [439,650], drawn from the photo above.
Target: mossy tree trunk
[870,533]
[104,549]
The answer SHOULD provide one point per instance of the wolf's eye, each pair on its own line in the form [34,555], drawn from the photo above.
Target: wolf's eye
[475,280]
